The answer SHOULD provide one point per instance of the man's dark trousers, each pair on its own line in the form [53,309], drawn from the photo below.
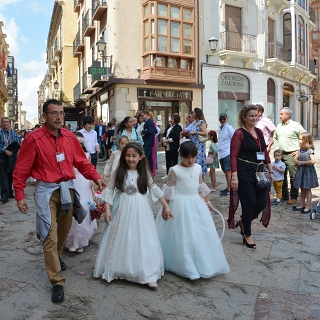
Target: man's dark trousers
[5,178]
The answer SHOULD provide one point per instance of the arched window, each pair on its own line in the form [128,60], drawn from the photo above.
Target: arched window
[287,33]
[270,110]
[301,41]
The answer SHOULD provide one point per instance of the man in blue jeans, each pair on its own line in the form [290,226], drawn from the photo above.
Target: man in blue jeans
[225,136]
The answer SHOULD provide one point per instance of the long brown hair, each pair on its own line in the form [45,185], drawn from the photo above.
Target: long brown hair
[142,169]
[306,141]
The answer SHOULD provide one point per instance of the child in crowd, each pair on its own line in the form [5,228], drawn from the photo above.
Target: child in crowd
[190,243]
[80,234]
[113,162]
[213,152]
[130,247]
[306,176]
[279,168]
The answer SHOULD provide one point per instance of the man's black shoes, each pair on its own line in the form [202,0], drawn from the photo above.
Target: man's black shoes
[57,293]
[3,201]
[63,266]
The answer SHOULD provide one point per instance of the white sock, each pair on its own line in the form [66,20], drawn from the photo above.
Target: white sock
[278,200]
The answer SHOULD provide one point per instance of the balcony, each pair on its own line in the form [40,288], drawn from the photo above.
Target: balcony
[312,67]
[57,47]
[88,24]
[167,68]
[77,6]
[78,44]
[99,8]
[4,95]
[76,93]
[313,16]
[277,59]
[86,83]
[235,45]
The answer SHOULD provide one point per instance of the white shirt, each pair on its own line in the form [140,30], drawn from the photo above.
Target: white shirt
[91,140]
[225,136]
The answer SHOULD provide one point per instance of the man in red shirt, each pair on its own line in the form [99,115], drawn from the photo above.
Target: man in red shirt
[49,154]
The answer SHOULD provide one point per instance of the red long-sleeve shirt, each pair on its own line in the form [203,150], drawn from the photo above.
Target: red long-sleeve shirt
[37,158]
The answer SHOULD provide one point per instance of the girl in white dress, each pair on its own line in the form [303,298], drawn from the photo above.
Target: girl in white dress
[80,234]
[130,247]
[190,243]
[113,162]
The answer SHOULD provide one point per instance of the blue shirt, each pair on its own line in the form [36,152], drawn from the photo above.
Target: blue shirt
[7,137]
[225,136]
[278,176]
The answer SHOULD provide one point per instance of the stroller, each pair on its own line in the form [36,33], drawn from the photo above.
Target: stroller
[315,210]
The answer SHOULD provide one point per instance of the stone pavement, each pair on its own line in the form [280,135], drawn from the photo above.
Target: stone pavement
[279,280]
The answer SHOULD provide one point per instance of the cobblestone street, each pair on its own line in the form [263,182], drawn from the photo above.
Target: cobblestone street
[279,280]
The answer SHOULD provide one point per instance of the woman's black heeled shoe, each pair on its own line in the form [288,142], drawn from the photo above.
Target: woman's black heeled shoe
[239,224]
[251,246]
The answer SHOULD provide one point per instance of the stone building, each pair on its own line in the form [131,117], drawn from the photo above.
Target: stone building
[262,56]
[4,52]
[137,55]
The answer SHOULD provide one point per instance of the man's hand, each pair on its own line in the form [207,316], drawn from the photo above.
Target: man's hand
[23,206]
[101,184]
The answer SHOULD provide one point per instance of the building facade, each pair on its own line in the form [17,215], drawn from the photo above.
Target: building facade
[150,60]
[12,108]
[4,52]
[62,67]
[262,57]
[315,58]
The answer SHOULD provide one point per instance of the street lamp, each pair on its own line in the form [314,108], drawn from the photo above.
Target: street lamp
[101,45]
[213,43]
[56,86]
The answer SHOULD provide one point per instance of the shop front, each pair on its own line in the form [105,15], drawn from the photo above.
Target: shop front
[163,103]
[233,92]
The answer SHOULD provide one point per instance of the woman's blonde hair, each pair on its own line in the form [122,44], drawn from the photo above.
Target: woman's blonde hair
[243,113]
[306,141]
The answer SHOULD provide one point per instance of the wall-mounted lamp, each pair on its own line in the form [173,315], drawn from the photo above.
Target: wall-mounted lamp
[213,43]
[56,85]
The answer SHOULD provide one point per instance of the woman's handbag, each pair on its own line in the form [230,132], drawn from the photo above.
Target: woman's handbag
[262,178]
[202,138]
[209,160]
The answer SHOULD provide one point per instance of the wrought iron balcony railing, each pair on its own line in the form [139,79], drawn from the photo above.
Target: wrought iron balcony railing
[76,92]
[240,42]
[277,50]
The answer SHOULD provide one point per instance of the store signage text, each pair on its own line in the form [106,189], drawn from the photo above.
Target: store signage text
[165,94]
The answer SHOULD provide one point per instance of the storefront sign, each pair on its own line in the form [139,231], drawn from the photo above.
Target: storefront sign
[303,99]
[160,104]
[233,82]
[164,94]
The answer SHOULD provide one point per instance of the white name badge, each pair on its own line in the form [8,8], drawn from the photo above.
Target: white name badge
[260,156]
[60,157]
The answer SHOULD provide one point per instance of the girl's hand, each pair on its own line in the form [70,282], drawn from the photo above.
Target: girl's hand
[108,217]
[210,206]
[166,214]
[91,184]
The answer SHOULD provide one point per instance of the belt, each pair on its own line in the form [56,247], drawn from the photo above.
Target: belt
[255,163]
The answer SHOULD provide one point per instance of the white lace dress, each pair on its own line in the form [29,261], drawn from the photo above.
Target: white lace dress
[80,234]
[130,247]
[190,243]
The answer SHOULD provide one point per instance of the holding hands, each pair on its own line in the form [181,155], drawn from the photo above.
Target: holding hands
[166,213]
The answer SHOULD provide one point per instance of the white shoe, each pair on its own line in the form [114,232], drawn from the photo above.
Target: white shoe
[164,177]
[79,250]
[152,284]
[72,249]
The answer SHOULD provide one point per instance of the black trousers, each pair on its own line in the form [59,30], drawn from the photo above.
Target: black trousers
[94,159]
[253,201]
[5,178]
[171,159]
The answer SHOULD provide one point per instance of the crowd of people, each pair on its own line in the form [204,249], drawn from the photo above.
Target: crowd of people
[183,238]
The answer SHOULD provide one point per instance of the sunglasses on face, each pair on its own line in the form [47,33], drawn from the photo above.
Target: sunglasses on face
[222,119]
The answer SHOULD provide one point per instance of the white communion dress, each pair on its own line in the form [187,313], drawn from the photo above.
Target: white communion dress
[190,243]
[80,234]
[130,248]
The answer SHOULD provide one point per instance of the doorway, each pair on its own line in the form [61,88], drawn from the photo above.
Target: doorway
[162,116]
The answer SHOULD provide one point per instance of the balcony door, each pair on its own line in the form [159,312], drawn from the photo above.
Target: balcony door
[233,28]
[271,44]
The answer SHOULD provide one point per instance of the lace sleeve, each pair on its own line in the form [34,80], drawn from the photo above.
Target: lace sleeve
[235,146]
[108,166]
[108,193]
[169,188]
[203,188]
